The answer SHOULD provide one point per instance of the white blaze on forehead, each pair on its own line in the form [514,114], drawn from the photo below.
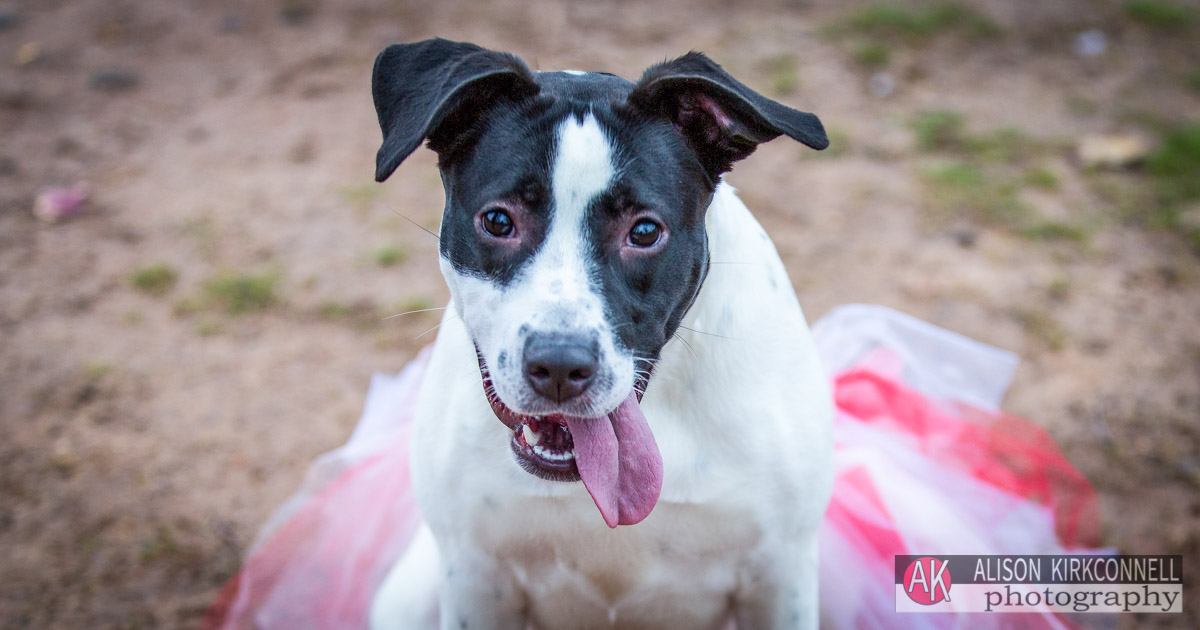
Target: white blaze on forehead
[583,167]
[582,170]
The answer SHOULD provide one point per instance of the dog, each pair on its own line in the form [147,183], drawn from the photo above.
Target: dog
[624,423]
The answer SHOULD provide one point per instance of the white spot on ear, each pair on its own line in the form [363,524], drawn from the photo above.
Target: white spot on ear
[575,72]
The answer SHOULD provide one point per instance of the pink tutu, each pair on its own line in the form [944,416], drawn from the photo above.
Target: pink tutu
[925,464]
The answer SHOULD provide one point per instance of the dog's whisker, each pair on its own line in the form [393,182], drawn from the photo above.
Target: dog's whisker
[434,328]
[685,342]
[420,310]
[700,332]
[725,262]
[427,230]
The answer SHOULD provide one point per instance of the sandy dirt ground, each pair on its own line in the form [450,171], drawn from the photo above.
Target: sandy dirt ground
[172,357]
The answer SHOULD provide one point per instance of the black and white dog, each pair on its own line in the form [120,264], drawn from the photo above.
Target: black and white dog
[594,335]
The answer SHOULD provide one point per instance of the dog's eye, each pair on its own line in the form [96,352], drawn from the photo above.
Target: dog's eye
[645,233]
[497,223]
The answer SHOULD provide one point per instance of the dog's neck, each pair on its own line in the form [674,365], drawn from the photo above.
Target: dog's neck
[741,255]
[731,341]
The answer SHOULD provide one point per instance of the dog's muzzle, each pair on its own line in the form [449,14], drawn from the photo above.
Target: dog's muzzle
[614,455]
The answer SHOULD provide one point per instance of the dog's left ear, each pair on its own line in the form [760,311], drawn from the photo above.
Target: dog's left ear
[723,119]
[438,89]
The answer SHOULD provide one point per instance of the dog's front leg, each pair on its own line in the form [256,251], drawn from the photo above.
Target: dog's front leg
[408,597]
[478,593]
[780,592]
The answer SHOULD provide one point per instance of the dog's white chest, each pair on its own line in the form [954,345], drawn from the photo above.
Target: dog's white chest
[672,570]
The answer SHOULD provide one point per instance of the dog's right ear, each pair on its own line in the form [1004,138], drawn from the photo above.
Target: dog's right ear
[436,89]
[722,118]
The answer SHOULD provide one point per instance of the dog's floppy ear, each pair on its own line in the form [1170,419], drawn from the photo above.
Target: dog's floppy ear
[722,118]
[435,89]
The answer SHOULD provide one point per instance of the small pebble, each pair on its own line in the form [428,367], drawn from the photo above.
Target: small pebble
[9,19]
[114,80]
[965,238]
[295,12]
[303,151]
[1091,43]
[27,54]
[55,203]
[882,84]
[231,23]
[1112,150]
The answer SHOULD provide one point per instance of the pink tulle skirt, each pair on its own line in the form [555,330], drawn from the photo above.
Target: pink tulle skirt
[925,464]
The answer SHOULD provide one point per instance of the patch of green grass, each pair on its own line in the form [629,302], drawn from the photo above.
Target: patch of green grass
[784,73]
[1082,105]
[1159,198]
[1056,231]
[985,181]
[1193,239]
[239,293]
[1059,289]
[1176,164]
[1132,200]
[96,370]
[163,542]
[839,145]
[938,130]
[944,130]
[414,303]
[873,55]
[1042,178]
[389,255]
[1139,117]
[157,279]
[1175,170]
[208,326]
[188,306]
[1041,325]
[361,195]
[956,175]
[332,310]
[1002,145]
[1192,80]
[1160,14]
[361,314]
[963,189]
[920,22]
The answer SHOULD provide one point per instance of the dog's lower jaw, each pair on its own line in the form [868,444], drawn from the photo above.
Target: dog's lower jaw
[543,445]
[545,450]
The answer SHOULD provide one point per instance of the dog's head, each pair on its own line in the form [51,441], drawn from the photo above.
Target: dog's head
[573,237]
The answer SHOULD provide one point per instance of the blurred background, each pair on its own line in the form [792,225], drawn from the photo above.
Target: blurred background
[196,313]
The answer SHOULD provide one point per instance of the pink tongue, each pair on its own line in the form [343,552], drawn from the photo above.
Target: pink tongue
[619,462]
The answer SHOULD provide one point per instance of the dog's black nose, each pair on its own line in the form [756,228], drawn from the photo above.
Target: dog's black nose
[559,366]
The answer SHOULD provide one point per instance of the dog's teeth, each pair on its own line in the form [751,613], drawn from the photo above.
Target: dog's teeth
[531,437]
